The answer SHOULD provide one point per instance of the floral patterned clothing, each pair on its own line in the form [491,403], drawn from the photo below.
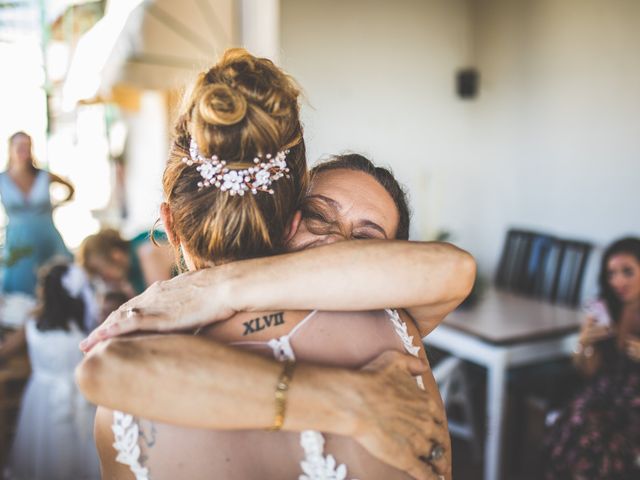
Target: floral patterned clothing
[597,436]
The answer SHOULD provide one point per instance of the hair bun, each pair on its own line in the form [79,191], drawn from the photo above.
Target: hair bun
[219,104]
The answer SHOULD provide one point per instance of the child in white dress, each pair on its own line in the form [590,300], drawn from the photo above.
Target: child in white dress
[54,437]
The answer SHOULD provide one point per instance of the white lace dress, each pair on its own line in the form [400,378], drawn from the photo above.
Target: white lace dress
[316,464]
[54,436]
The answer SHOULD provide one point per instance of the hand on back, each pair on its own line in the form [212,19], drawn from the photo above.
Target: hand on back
[181,303]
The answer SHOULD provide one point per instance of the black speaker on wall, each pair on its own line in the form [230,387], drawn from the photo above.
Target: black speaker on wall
[467,83]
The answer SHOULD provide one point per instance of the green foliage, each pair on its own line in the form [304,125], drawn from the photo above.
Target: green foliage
[16,254]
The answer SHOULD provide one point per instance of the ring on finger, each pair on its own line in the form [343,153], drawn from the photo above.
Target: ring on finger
[437,452]
[132,312]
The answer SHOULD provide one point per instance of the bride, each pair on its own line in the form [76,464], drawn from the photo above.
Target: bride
[219,212]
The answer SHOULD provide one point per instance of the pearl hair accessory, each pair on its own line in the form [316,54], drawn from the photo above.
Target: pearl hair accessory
[258,178]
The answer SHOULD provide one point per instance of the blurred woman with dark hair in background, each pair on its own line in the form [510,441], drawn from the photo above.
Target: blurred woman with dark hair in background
[598,434]
[54,439]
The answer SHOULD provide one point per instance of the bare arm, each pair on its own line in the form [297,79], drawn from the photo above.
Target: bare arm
[359,404]
[428,279]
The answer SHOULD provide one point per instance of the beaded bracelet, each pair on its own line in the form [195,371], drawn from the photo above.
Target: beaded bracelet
[281,395]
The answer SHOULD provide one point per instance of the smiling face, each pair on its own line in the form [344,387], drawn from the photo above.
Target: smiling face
[345,205]
[623,275]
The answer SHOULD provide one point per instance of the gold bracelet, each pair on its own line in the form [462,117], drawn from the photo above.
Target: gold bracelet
[281,394]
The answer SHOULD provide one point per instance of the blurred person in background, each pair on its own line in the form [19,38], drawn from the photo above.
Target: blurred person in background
[132,265]
[31,236]
[118,268]
[54,436]
[597,436]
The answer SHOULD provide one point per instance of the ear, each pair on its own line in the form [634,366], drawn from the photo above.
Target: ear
[293,226]
[167,221]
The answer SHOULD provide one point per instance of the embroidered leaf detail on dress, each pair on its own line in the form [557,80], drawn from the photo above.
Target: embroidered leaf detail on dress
[315,465]
[125,434]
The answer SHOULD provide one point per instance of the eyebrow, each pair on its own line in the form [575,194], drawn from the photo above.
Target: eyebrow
[375,226]
[363,223]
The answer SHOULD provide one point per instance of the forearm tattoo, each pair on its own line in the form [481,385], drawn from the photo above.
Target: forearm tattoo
[263,322]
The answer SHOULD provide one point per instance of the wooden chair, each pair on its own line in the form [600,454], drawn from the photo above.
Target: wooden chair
[543,266]
[514,260]
[571,264]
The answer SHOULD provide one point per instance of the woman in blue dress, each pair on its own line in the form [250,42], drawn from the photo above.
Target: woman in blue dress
[31,237]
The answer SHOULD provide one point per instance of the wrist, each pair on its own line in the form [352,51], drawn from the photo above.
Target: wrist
[324,399]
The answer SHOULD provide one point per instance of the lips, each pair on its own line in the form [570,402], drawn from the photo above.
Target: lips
[622,292]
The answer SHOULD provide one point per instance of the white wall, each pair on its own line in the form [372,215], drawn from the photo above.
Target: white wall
[146,158]
[552,142]
[378,78]
[559,112]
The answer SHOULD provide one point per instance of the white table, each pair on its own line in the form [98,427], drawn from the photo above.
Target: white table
[502,331]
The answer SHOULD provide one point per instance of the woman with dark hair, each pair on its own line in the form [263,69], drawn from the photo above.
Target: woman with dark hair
[54,434]
[31,237]
[354,162]
[598,435]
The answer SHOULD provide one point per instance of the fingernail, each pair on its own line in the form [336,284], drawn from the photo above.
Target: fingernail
[83,344]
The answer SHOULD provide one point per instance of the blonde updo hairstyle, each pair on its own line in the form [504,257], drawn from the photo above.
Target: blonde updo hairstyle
[242,107]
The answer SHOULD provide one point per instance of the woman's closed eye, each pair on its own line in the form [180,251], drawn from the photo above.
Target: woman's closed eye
[318,214]
[367,235]
[314,216]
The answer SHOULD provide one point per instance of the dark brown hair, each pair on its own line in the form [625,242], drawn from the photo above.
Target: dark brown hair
[242,107]
[384,176]
[629,246]
[56,308]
